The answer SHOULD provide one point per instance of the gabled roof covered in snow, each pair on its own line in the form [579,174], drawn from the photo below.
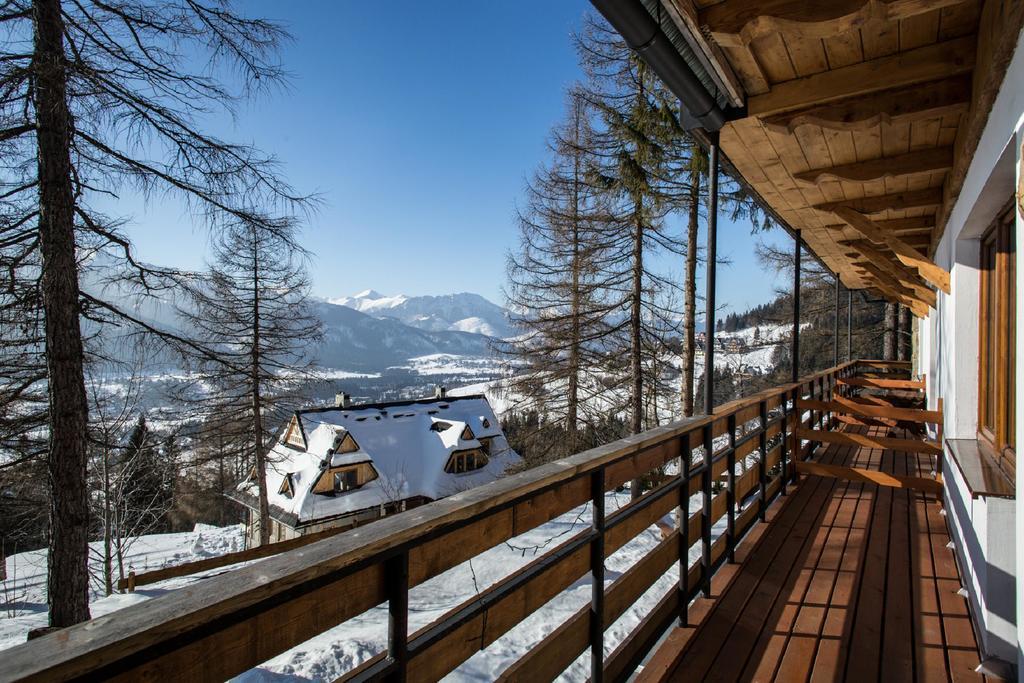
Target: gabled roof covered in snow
[407,444]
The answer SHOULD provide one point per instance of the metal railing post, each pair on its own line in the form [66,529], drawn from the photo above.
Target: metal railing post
[597,577]
[684,533]
[705,516]
[397,571]
[762,466]
[730,494]
[784,444]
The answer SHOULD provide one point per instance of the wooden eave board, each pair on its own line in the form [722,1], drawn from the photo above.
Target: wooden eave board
[769,158]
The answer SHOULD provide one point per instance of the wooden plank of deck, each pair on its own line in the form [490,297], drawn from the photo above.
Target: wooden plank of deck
[860,586]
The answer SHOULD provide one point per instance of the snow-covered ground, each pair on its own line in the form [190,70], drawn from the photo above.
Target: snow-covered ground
[330,654]
[23,594]
[451,364]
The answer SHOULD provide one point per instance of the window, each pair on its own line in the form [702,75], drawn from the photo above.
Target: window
[467,434]
[286,488]
[345,444]
[466,461]
[485,445]
[996,362]
[293,436]
[345,478]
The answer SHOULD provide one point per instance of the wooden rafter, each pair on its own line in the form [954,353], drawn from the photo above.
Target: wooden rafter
[916,225]
[922,294]
[890,264]
[904,252]
[900,200]
[917,307]
[684,14]
[918,161]
[929,63]
[734,23]
[902,105]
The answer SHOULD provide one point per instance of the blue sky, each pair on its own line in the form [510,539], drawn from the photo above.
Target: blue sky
[418,124]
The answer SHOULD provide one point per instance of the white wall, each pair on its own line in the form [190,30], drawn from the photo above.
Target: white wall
[989,534]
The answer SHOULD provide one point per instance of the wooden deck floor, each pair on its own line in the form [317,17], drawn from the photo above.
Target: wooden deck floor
[848,582]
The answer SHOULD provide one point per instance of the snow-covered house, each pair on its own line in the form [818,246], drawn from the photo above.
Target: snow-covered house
[351,464]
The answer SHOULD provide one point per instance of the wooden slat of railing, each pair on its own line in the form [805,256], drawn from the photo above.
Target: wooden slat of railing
[227,624]
[870,383]
[898,481]
[866,441]
[845,406]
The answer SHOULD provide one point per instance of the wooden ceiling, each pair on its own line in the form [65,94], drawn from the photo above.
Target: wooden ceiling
[861,119]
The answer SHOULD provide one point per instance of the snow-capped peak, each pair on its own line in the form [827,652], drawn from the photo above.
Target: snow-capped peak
[463,312]
[371,294]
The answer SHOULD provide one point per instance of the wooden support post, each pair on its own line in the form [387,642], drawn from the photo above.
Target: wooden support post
[705,516]
[397,571]
[597,579]
[730,494]
[762,465]
[709,295]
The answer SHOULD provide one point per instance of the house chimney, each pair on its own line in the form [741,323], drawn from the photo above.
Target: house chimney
[440,391]
[342,400]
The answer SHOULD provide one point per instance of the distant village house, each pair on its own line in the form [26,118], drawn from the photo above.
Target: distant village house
[351,464]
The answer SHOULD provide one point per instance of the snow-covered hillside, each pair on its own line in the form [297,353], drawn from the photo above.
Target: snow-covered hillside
[464,312]
[330,654]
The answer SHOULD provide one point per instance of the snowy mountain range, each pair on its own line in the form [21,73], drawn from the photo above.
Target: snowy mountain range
[463,312]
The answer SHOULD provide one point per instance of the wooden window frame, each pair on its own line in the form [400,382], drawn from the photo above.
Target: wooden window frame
[997,343]
[324,484]
[458,462]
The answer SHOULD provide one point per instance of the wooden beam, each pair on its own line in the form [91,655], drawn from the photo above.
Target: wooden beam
[902,105]
[898,201]
[898,481]
[929,63]
[924,295]
[874,383]
[917,307]
[866,441]
[904,252]
[918,161]
[734,23]
[888,261]
[684,14]
[915,225]
[848,407]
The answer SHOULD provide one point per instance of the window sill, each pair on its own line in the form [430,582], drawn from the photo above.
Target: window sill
[979,469]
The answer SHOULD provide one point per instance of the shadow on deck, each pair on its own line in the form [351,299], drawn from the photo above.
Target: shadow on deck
[850,581]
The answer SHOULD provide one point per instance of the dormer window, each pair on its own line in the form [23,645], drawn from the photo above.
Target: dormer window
[287,489]
[347,444]
[461,462]
[344,478]
[440,426]
[467,434]
[485,445]
[485,422]
[293,436]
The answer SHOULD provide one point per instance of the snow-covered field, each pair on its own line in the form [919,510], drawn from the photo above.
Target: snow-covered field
[451,364]
[23,594]
[328,655]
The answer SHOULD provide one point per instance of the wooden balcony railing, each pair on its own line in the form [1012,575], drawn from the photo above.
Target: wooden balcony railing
[227,624]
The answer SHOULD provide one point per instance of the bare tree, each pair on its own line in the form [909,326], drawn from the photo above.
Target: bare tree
[97,97]
[253,312]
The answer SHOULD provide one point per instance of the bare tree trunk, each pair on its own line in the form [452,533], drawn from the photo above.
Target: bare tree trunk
[257,404]
[68,559]
[108,560]
[636,365]
[690,297]
[572,415]
[889,338]
[904,336]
